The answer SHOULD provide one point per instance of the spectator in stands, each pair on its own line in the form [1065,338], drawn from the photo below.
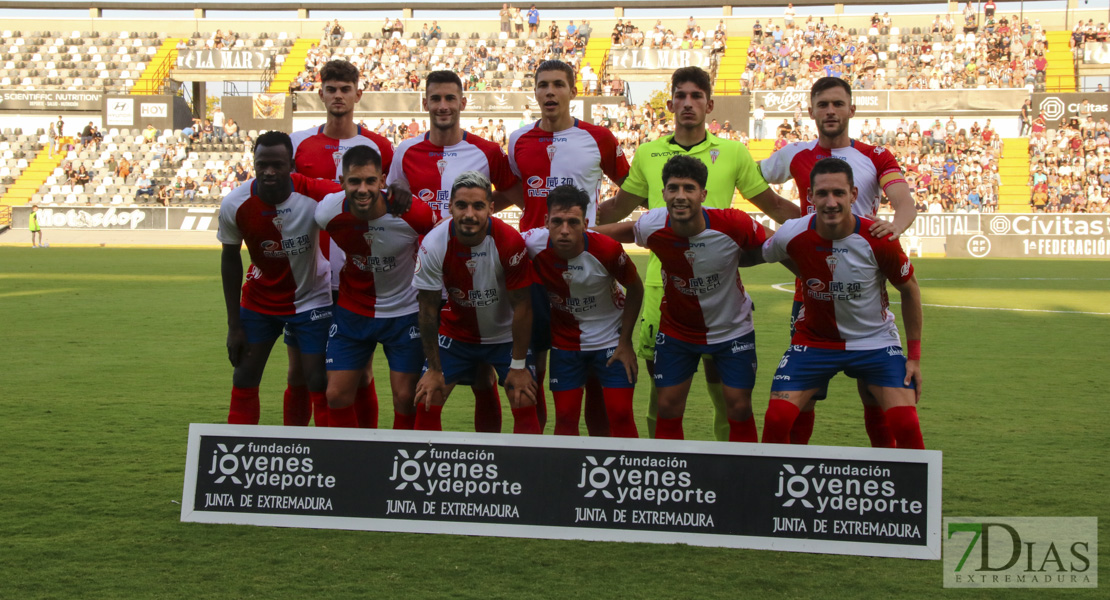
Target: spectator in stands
[506,16]
[124,168]
[82,177]
[232,129]
[518,22]
[788,15]
[165,194]
[585,30]
[241,174]
[149,134]
[189,189]
[60,126]
[533,20]
[218,123]
[336,32]
[145,187]
[86,134]
[51,139]
[208,132]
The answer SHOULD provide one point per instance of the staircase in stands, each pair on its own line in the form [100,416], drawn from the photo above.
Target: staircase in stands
[1060,70]
[28,184]
[1014,192]
[293,65]
[153,79]
[733,62]
[597,56]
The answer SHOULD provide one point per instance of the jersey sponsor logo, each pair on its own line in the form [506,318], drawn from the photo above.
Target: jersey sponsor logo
[696,285]
[374,264]
[553,140]
[535,181]
[515,259]
[473,298]
[318,314]
[663,154]
[838,290]
[782,378]
[815,284]
[434,154]
[426,195]
[555,299]
[272,249]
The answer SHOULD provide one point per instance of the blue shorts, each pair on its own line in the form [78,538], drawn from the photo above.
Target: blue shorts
[460,360]
[541,319]
[354,338]
[795,310]
[569,369]
[290,337]
[805,368]
[309,327]
[676,360]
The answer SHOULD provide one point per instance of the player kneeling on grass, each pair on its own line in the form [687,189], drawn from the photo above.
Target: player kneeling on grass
[591,318]
[287,285]
[705,309]
[483,264]
[377,302]
[844,324]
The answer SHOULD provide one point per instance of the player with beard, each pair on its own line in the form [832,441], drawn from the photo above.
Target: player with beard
[318,152]
[561,150]
[705,310]
[287,285]
[875,172]
[731,169]
[429,165]
[846,324]
[483,264]
[377,302]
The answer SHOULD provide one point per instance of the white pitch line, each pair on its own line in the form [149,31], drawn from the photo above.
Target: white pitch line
[779,287]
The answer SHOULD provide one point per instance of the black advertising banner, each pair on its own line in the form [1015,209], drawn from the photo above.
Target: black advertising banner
[1058,106]
[655,59]
[50,100]
[859,501]
[1038,235]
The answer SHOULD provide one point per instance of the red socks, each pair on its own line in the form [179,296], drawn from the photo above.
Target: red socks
[245,406]
[778,421]
[366,406]
[597,417]
[487,410]
[297,408]
[876,425]
[401,421]
[343,417]
[428,418]
[803,428]
[319,408]
[669,429]
[742,431]
[525,420]
[903,423]
[568,409]
[618,408]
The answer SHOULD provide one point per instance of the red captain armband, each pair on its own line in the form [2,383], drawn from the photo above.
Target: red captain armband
[914,347]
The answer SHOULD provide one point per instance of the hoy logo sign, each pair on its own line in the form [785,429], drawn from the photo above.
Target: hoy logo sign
[1010,552]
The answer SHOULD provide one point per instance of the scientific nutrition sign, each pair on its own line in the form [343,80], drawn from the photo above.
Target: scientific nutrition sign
[858,501]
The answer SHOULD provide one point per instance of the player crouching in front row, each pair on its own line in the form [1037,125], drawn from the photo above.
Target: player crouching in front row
[705,309]
[591,318]
[845,324]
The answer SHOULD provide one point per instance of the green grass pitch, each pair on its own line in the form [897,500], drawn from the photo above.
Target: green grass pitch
[109,354]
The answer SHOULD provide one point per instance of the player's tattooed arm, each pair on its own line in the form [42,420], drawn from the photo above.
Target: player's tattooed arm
[431,387]
[520,386]
[231,275]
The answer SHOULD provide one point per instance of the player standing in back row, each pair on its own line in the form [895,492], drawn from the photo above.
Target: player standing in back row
[561,150]
[875,172]
[846,325]
[429,165]
[731,168]
[318,152]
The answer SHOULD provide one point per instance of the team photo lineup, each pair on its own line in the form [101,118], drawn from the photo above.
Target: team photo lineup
[345,259]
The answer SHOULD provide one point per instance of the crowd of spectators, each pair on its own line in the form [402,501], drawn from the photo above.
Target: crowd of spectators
[1002,53]
[626,34]
[1069,164]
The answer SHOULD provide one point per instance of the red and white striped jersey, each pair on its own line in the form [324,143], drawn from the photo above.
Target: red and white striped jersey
[430,170]
[477,280]
[578,156]
[704,301]
[317,155]
[586,300]
[376,280]
[320,156]
[844,283]
[288,273]
[874,169]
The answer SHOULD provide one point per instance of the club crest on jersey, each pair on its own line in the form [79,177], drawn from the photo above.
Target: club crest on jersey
[568,277]
[337,158]
[471,265]
[713,154]
[441,165]
[831,262]
[278,221]
[690,256]
[369,237]
[551,150]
